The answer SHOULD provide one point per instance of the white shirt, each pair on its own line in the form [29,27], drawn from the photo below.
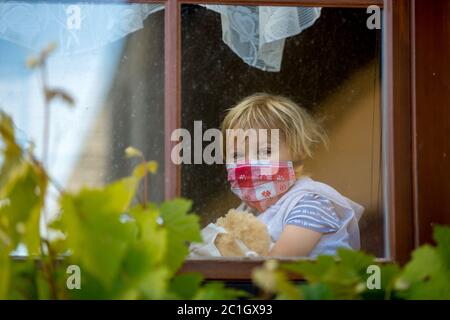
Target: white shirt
[346,234]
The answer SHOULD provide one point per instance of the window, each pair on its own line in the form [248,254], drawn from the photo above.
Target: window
[110,59]
[395,140]
[332,68]
[168,65]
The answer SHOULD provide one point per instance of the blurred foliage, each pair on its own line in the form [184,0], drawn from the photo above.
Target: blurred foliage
[426,276]
[124,251]
[132,251]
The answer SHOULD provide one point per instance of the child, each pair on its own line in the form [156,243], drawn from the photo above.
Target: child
[303,217]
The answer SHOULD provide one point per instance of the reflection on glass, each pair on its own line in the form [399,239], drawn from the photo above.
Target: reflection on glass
[331,68]
[111,60]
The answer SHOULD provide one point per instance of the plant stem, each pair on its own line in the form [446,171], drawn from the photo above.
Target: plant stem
[48,270]
[52,265]
[145,183]
[45,148]
[57,186]
[46,128]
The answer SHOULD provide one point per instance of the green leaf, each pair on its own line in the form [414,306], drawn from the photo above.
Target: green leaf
[95,234]
[273,280]
[218,291]
[442,237]
[31,236]
[424,263]
[357,261]
[345,277]
[42,286]
[4,272]
[316,291]
[23,280]
[149,248]
[113,199]
[11,152]
[24,192]
[145,167]
[179,222]
[389,275]
[427,275]
[132,152]
[311,270]
[185,286]
[182,227]
[435,288]
[152,166]
[155,284]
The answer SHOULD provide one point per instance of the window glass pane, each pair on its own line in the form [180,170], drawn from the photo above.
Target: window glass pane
[328,61]
[109,58]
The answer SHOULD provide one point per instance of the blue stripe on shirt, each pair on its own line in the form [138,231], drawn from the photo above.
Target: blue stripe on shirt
[314,212]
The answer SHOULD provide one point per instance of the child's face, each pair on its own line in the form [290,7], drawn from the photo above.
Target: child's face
[263,150]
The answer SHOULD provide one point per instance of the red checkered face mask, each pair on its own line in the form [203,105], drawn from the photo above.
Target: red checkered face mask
[260,183]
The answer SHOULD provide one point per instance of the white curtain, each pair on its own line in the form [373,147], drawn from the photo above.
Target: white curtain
[76,28]
[255,34]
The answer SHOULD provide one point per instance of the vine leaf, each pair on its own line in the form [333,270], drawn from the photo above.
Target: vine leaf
[94,231]
[182,228]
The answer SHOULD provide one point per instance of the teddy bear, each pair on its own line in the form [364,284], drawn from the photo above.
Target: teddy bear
[236,234]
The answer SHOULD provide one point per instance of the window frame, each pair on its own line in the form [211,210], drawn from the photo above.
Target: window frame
[397,126]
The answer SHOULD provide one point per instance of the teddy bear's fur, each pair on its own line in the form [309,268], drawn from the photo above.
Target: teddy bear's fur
[245,227]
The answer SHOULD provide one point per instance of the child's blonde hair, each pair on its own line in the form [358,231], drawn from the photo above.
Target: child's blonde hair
[266,111]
